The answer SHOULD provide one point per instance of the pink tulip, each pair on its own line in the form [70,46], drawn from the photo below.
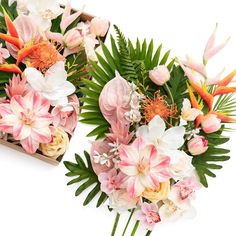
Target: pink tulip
[73,38]
[99,26]
[210,49]
[187,187]
[66,117]
[198,145]
[28,120]
[17,87]
[114,100]
[4,54]
[210,123]
[111,181]
[67,18]
[144,167]
[148,215]
[159,75]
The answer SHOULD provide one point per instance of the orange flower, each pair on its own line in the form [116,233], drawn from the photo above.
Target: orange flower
[44,56]
[158,106]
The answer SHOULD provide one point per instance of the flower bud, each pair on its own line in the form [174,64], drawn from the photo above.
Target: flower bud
[99,26]
[198,145]
[210,123]
[73,38]
[159,75]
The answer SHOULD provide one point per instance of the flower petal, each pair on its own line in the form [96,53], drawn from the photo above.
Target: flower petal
[30,145]
[21,131]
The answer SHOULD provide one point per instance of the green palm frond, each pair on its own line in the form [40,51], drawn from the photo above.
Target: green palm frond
[206,163]
[82,171]
[132,62]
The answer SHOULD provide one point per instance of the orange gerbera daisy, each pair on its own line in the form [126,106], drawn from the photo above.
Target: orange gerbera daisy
[158,106]
[44,56]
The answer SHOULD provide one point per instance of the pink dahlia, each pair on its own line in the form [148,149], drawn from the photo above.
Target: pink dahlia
[27,119]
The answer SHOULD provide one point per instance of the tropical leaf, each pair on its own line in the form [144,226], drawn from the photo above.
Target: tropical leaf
[206,163]
[83,175]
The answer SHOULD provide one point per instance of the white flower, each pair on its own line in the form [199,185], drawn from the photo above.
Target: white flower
[155,133]
[180,164]
[102,159]
[189,113]
[90,43]
[174,207]
[53,86]
[43,12]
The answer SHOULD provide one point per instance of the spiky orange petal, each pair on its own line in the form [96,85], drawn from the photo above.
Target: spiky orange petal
[12,40]
[10,68]
[224,90]
[223,117]
[207,97]
[10,26]
[195,104]
[227,79]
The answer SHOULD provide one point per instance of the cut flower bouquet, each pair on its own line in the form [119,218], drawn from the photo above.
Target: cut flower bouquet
[44,50]
[159,131]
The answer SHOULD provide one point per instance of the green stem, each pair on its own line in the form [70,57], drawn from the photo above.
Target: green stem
[127,224]
[135,228]
[115,224]
[171,97]
[148,233]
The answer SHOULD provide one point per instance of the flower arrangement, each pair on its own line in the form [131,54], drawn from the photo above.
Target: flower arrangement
[44,51]
[159,131]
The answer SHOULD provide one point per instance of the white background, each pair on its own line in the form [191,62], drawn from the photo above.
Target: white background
[34,198]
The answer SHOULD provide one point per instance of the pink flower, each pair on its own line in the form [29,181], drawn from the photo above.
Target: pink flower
[17,87]
[111,181]
[27,118]
[100,148]
[143,166]
[73,38]
[4,54]
[198,145]
[210,123]
[67,18]
[210,49]
[148,215]
[27,32]
[99,26]
[187,187]
[159,75]
[114,100]
[66,117]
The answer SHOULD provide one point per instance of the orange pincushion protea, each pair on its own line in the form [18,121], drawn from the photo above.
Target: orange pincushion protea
[158,106]
[44,56]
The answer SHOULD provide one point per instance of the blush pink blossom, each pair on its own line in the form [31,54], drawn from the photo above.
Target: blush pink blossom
[66,117]
[99,26]
[210,123]
[148,215]
[144,167]
[197,145]
[159,75]
[4,54]
[28,120]
[73,38]
[111,181]
[187,187]
[17,86]
[114,100]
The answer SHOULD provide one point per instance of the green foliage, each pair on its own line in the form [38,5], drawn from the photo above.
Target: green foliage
[83,174]
[225,104]
[206,163]
[133,62]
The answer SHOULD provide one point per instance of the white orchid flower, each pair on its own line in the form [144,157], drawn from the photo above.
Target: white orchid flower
[43,12]
[174,207]
[189,113]
[155,133]
[53,85]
